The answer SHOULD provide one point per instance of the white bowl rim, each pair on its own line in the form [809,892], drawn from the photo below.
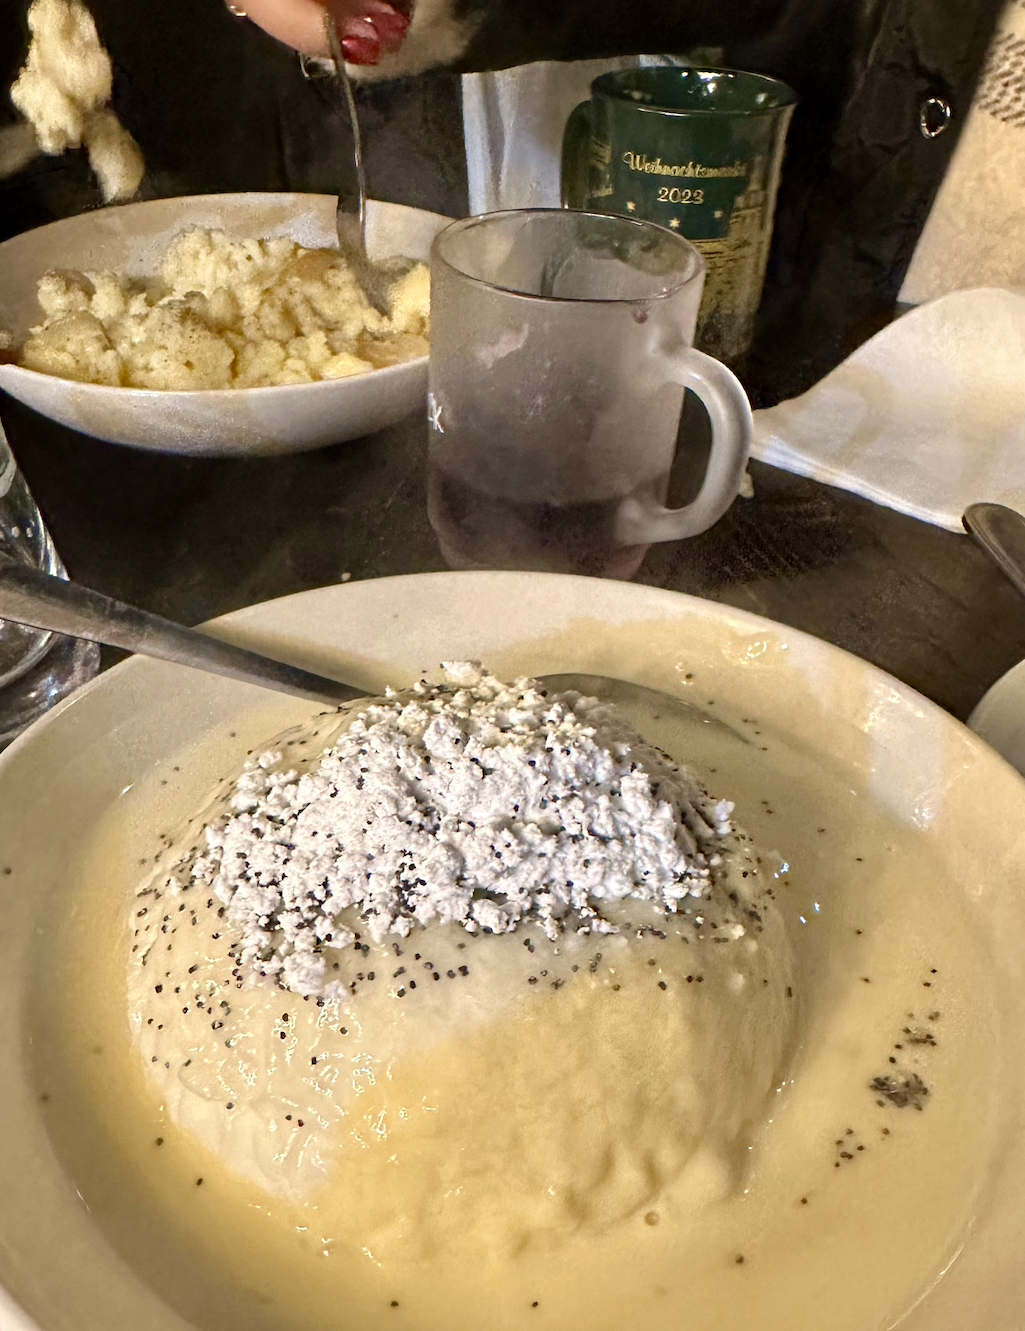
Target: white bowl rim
[733,616]
[208,394]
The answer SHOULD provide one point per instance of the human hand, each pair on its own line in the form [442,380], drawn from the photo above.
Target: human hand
[368,29]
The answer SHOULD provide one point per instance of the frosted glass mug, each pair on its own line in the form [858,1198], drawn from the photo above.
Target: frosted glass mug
[561,349]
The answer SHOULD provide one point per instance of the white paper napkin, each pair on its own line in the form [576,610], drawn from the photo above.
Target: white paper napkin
[926,417]
[512,124]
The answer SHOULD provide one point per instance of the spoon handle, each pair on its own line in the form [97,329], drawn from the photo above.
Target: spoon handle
[40,600]
[351,210]
[1000,532]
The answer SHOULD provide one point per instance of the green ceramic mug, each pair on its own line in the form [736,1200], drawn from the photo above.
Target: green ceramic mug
[697,150]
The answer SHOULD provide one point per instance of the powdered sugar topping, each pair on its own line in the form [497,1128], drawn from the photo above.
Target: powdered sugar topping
[470,802]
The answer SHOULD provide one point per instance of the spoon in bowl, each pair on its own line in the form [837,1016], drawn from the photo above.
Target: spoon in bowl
[351,212]
[42,601]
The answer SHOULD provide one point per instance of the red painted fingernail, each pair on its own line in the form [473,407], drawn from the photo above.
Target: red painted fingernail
[360,29]
[390,27]
[384,26]
[361,50]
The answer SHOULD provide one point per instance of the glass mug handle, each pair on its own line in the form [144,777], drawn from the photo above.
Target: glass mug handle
[642,522]
[576,164]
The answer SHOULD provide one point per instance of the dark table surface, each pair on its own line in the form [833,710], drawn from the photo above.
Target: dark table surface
[194,538]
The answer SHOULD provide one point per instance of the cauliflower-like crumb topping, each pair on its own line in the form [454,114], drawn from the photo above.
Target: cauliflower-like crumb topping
[226,313]
[63,91]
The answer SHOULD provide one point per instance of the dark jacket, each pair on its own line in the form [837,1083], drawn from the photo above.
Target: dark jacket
[216,105]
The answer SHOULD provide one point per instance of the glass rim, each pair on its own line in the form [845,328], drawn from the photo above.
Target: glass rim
[608,85]
[695,267]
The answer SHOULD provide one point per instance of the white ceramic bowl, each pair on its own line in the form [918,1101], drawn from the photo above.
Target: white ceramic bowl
[59,779]
[282,419]
[999,716]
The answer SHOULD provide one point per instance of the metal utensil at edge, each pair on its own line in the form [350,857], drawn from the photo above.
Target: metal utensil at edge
[40,600]
[999,532]
[351,212]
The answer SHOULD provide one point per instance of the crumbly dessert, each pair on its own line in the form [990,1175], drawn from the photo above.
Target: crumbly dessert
[64,90]
[226,313]
[658,1127]
[377,908]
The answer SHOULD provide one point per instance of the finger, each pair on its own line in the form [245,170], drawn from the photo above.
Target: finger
[367,28]
[297,23]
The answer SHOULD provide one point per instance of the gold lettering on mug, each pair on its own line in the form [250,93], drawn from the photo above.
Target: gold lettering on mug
[674,195]
[693,170]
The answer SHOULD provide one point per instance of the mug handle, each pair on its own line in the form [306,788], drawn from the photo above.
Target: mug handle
[576,165]
[641,522]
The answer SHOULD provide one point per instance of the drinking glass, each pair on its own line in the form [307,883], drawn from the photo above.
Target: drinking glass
[37,668]
[561,349]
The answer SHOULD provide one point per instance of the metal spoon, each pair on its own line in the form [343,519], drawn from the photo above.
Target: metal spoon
[1000,533]
[351,213]
[40,600]
[624,693]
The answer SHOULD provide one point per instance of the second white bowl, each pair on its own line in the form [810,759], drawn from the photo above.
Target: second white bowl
[131,239]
